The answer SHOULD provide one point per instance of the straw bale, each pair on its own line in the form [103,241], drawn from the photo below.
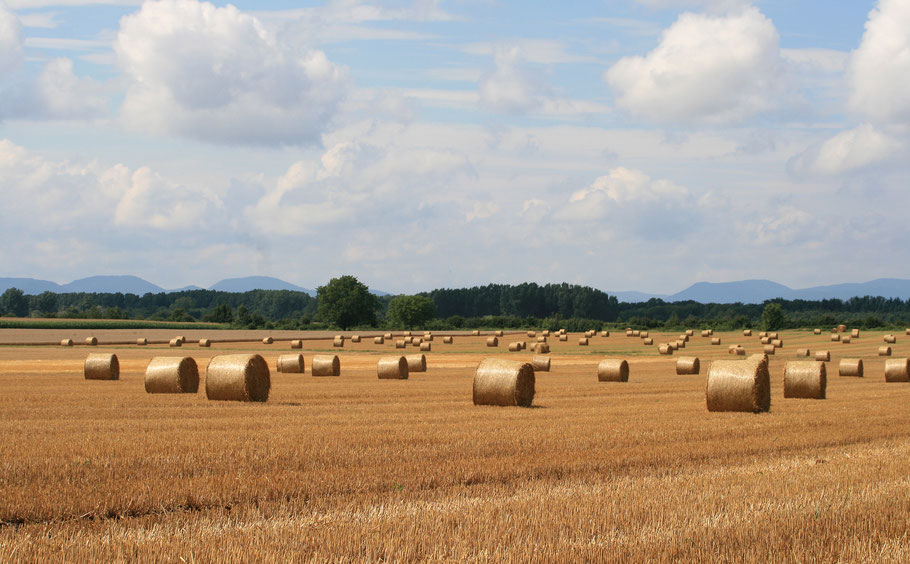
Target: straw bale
[380,340]
[583,342]
[297,344]
[141,342]
[684,338]
[540,363]
[636,333]
[803,352]
[773,335]
[613,370]
[338,341]
[604,333]
[907,332]
[747,332]
[291,363]
[675,346]
[835,337]
[387,336]
[407,333]
[541,339]
[715,340]
[562,331]
[897,370]
[688,365]
[737,350]
[267,341]
[766,340]
[523,344]
[416,362]
[705,333]
[498,333]
[504,383]
[665,349]
[546,332]
[563,337]
[817,331]
[628,332]
[238,377]
[890,339]
[643,334]
[514,347]
[532,334]
[805,379]
[428,338]
[841,328]
[884,351]
[355,338]
[408,339]
[417,341]
[648,341]
[206,343]
[91,341]
[175,342]
[400,344]
[426,347]
[325,365]
[392,368]
[448,340]
[779,343]
[475,333]
[542,348]
[846,339]
[680,344]
[492,342]
[769,349]
[855,333]
[172,375]
[690,332]
[851,367]
[822,356]
[101,366]
[66,343]
[739,385]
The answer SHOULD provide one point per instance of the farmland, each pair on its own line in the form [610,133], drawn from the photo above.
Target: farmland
[357,468]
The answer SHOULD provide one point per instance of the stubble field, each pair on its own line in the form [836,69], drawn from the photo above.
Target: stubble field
[360,469]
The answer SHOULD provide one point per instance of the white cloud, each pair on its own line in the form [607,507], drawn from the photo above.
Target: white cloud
[10,41]
[880,67]
[715,69]
[847,151]
[217,75]
[713,5]
[511,87]
[151,201]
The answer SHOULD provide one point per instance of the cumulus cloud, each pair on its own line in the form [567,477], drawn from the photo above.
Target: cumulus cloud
[847,151]
[715,69]
[218,75]
[880,67]
[55,93]
[10,41]
[511,87]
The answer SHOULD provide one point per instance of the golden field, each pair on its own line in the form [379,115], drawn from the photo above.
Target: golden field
[360,469]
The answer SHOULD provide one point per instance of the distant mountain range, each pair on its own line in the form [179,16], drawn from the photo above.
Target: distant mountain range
[745,291]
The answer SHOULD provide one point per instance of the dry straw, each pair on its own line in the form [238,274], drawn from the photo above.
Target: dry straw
[325,365]
[523,344]
[805,379]
[392,368]
[267,341]
[400,344]
[715,340]
[774,336]
[428,338]
[563,337]
[777,343]
[562,331]
[835,337]
[763,334]
[540,363]
[297,344]
[604,333]
[636,333]
[841,328]
[542,348]
[739,385]
[737,350]
[475,333]
[846,340]
[688,365]
[541,339]
[532,334]
[705,333]
[66,343]
[387,336]
[766,340]
[628,332]
[492,342]
[416,341]
[338,341]
[408,339]
[514,347]
[583,342]
[897,370]
[379,340]
[172,375]
[355,338]
[855,333]
[644,334]
[291,363]
[546,332]
[141,342]
[890,339]
[504,382]
[648,341]
[447,340]
[613,370]
[498,333]
[884,351]
[205,343]
[407,333]
[822,356]
[665,349]
[907,332]
[416,362]
[690,332]
[680,344]
[747,332]
[851,367]
[101,366]
[426,347]
[684,338]
[91,341]
[803,352]
[175,342]
[769,349]
[675,346]
[238,377]
[817,331]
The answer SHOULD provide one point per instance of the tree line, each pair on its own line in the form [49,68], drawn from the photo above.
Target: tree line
[347,303]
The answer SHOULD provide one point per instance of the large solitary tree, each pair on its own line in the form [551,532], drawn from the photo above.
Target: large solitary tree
[772,317]
[410,311]
[346,302]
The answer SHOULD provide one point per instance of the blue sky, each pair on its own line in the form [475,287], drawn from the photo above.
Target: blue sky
[640,145]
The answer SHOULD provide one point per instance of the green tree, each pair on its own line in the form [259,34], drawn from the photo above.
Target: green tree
[410,311]
[45,302]
[220,314]
[13,302]
[243,316]
[346,302]
[772,317]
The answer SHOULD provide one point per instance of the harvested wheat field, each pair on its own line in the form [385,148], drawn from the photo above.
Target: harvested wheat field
[357,468]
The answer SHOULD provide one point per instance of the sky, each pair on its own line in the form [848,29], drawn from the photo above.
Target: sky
[418,144]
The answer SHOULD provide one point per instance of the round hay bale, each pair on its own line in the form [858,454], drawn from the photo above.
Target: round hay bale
[890,339]
[907,332]
[777,343]
[66,343]
[897,370]
[206,343]
[613,370]
[447,340]
[822,356]
[514,347]
[540,363]
[182,339]
[379,340]
[805,380]
[562,331]
[291,363]
[841,328]
[747,332]
[416,341]
[238,377]
[141,342]
[171,375]
[583,342]
[766,340]
[297,344]
[523,344]
[492,342]
[803,352]
[773,335]
[644,334]
[392,368]
[387,336]
[690,332]
[325,365]
[855,333]
[563,337]
[674,345]
[648,341]
[532,334]
[884,351]
[715,340]
[851,367]
[338,341]
[475,333]
[408,339]
[769,349]
[705,333]
[355,338]
[101,366]
[400,344]
[835,337]
[416,362]
[407,333]
[542,348]
[604,333]
[763,334]
[680,344]
[504,383]
[688,365]
[737,350]
[846,340]
[739,385]
[175,342]
[425,346]
[267,341]
[628,332]
[91,341]
[665,349]
[498,333]
[428,338]
[541,339]
[546,332]
[636,333]
[684,338]
[590,334]
[817,331]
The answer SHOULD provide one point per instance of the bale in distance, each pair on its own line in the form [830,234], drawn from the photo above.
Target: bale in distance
[822,356]
[769,349]
[897,370]
[604,333]
[747,332]
[503,383]
[884,351]
[514,347]
[636,333]
[523,344]
[475,333]
[739,385]
[803,352]
[546,332]
[851,367]
[846,340]
[408,339]
[66,343]
[355,338]
[387,336]
[447,340]
[542,348]
[297,344]
[688,365]
[416,341]
[763,334]
[400,344]
[766,340]
[267,341]
[498,333]
[291,364]
[91,341]
[425,346]
[644,334]
[338,341]
[101,366]
[392,368]
[890,339]
[779,343]
[563,337]
[665,349]
[737,350]
[705,333]
[416,362]
[675,345]
[380,340]
[715,340]
[540,363]
[492,342]
[562,331]
[427,338]
[171,375]
[541,339]
[690,332]
[205,343]
[325,365]
[648,341]
[532,334]
[407,333]
[805,380]
[175,342]
[583,342]
[628,332]
[773,335]
[238,377]
[855,333]
[613,370]
[817,331]
[907,332]
[684,338]
[141,342]
[835,337]
[841,328]
[680,344]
